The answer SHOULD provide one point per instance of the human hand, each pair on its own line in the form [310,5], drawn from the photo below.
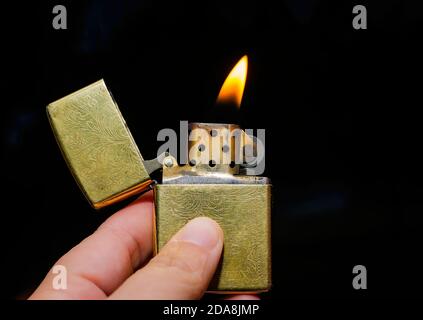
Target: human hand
[106,265]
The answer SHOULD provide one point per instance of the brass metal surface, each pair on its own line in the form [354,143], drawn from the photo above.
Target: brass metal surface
[225,144]
[97,145]
[204,174]
[243,212]
[213,138]
[106,163]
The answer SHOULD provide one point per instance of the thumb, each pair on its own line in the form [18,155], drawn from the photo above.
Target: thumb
[182,269]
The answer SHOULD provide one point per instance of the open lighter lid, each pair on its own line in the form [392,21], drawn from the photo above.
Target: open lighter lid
[98,146]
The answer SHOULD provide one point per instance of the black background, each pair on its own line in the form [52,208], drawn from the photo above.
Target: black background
[341,109]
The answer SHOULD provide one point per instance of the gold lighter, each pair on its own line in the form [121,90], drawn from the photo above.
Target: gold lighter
[108,167]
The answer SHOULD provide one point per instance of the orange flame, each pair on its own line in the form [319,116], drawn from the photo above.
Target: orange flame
[233,87]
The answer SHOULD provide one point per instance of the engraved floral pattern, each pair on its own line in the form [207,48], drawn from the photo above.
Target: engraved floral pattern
[243,212]
[96,142]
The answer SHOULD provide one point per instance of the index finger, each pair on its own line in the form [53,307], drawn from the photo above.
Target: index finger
[100,263]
